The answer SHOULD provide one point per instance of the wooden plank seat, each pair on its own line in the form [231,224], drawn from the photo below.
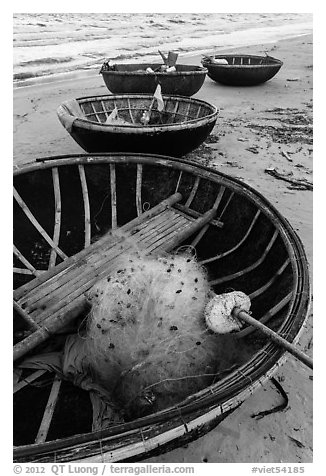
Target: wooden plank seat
[55,297]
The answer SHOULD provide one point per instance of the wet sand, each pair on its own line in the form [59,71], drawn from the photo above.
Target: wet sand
[263,136]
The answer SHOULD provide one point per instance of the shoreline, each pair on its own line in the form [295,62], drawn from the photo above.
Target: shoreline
[258,128]
[183,58]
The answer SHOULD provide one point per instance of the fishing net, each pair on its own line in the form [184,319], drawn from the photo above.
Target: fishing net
[154,336]
[147,339]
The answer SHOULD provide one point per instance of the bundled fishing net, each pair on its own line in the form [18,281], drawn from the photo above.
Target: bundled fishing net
[147,339]
[156,334]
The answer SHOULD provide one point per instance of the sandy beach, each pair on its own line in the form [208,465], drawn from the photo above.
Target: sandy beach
[259,130]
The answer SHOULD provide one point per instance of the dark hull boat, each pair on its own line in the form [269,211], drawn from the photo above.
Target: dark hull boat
[181,127]
[133,78]
[241,70]
[69,212]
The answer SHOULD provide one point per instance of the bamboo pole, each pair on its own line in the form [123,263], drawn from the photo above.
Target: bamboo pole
[74,261]
[292,349]
[51,298]
[86,205]
[25,316]
[48,413]
[57,216]
[199,236]
[267,316]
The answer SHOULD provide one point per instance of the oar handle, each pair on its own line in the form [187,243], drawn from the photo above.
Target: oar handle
[244,316]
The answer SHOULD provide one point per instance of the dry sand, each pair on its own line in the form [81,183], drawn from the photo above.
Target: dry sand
[255,127]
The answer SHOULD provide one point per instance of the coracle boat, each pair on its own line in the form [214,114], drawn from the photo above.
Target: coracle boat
[241,70]
[69,213]
[182,126]
[186,80]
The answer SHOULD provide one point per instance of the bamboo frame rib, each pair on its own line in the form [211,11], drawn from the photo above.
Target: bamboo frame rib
[249,268]
[29,321]
[271,281]
[189,212]
[199,236]
[193,192]
[198,112]
[190,229]
[95,113]
[49,411]
[28,265]
[23,271]
[113,197]
[205,228]
[29,379]
[226,205]
[86,205]
[104,111]
[57,217]
[130,114]
[179,181]
[175,111]
[37,225]
[139,179]
[243,239]
[17,373]
[186,115]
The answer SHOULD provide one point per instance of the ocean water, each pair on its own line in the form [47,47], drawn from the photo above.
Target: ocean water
[47,46]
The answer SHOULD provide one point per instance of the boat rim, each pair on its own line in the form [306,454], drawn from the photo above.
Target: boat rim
[138,127]
[274,62]
[199,71]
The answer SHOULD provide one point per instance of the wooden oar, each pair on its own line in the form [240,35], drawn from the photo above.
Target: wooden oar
[244,316]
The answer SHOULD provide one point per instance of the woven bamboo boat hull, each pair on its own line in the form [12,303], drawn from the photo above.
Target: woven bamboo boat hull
[132,78]
[183,126]
[68,212]
[242,70]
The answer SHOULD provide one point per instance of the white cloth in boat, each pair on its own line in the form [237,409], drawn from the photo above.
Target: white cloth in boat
[219,61]
[74,111]
[72,364]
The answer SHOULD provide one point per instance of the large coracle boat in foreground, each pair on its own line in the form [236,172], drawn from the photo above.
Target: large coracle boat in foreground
[69,216]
